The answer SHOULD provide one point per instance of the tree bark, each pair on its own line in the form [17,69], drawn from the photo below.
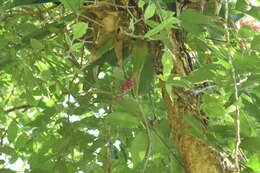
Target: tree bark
[197,155]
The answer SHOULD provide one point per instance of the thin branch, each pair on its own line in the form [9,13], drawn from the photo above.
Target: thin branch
[25,107]
[215,39]
[149,134]
[233,75]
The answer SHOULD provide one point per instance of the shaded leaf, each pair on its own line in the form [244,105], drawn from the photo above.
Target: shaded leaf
[12,131]
[122,120]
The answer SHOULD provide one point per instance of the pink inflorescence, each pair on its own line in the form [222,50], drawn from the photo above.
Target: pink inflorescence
[254,26]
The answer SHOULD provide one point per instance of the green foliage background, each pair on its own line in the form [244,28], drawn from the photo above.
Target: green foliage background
[56,117]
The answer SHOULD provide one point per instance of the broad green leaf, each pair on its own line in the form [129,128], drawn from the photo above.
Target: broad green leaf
[168,23]
[254,163]
[178,82]
[77,46]
[127,105]
[36,45]
[167,61]
[245,125]
[8,150]
[192,28]
[72,5]
[62,145]
[79,29]
[122,120]
[195,18]
[140,54]
[254,12]
[251,144]
[3,42]
[242,5]
[21,141]
[12,131]
[190,119]
[138,147]
[255,44]
[246,32]
[149,11]
[213,106]
[19,3]
[3,170]
[146,76]
[141,3]
[225,131]
[203,74]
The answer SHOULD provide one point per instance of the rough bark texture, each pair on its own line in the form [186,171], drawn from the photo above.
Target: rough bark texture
[198,156]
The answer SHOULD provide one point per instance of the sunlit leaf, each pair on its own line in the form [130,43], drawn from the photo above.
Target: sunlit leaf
[149,11]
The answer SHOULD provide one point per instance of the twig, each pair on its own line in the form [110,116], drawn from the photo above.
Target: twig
[233,74]
[215,39]
[149,134]
[25,107]
[91,20]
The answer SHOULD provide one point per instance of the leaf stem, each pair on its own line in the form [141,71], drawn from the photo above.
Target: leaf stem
[233,75]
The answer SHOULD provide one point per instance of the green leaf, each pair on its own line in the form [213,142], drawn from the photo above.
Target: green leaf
[195,18]
[21,141]
[242,5]
[127,105]
[146,76]
[245,126]
[3,170]
[3,42]
[122,120]
[79,29]
[179,82]
[213,106]
[77,46]
[254,12]
[168,23]
[141,3]
[246,32]
[12,131]
[36,45]
[138,147]
[72,5]
[251,144]
[19,3]
[254,163]
[194,29]
[140,54]
[149,11]
[167,61]
[195,124]
[255,44]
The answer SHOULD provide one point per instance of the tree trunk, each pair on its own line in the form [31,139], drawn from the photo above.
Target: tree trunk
[197,156]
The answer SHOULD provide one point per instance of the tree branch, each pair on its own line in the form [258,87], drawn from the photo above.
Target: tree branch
[25,107]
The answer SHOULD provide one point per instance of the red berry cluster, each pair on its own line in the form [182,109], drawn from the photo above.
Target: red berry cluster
[127,85]
[253,26]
